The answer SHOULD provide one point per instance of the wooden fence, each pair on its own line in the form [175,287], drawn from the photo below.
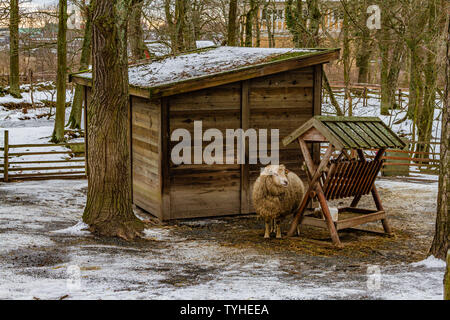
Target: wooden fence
[16,166]
[18,163]
[365,89]
[408,161]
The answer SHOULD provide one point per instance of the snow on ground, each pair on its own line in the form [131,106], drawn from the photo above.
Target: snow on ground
[46,254]
[33,126]
[36,117]
[44,246]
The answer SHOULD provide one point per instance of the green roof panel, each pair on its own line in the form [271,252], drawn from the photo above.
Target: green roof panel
[351,132]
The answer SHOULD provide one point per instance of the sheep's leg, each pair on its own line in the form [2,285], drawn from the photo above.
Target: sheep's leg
[278,227]
[272,226]
[267,233]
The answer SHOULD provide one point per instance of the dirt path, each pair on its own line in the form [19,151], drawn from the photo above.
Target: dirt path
[41,240]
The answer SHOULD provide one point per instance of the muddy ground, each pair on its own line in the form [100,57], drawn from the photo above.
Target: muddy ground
[221,258]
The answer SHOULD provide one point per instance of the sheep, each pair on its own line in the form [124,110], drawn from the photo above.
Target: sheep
[276,193]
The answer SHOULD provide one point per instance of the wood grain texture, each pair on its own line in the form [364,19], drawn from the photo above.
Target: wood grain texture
[145,124]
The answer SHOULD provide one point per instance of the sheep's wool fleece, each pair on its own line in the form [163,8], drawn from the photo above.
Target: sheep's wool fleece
[274,202]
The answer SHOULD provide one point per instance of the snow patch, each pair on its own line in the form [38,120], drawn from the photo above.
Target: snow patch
[430,263]
[79,229]
[157,234]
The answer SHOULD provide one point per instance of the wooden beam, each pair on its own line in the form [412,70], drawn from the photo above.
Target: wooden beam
[130,145]
[313,184]
[314,222]
[6,156]
[164,159]
[317,94]
[133,90]
[313,123]
[245,168]
[86,137]
[363,219]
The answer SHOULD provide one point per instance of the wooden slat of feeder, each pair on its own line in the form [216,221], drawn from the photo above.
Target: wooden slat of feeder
[351,180]
[338,131]
[347,129]
[355,127]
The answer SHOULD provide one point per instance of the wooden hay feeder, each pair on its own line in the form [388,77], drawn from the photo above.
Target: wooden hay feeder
[344,176]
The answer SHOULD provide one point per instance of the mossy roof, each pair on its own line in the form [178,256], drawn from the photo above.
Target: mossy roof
[215,66]
[351,132]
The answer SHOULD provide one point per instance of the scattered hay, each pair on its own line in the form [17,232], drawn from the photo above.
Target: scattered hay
[247,234]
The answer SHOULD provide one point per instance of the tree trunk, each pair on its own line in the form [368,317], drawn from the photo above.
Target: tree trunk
[257,24]
[365,44]
[232,17]
[14,80]
[171,26]
[109,209]
[334,103]
[347,64]
[249,24]
[313,22]
[427,107]
[441,239]
[136,33]
[58,132]
[390,69]
[76,112]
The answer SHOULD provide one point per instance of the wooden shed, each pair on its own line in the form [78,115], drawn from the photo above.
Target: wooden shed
[225,88]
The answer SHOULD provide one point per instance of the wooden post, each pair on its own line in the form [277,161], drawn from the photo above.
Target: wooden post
[164,159]
[245,168]
[314,185]
[365,97]
[328,218]
[447,279]
[6,156]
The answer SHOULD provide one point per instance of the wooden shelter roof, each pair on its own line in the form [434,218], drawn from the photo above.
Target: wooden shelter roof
[348,133]
[210,67]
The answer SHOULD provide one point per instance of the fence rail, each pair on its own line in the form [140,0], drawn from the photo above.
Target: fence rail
[406,162]
[22,168]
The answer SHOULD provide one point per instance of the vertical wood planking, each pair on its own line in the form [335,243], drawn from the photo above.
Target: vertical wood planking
[6,156]
[245,171]
[164,139]
[130,145]
[85,91]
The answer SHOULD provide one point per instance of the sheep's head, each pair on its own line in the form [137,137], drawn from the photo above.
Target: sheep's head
[278,175]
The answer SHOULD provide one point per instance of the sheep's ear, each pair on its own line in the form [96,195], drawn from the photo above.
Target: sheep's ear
[267,171]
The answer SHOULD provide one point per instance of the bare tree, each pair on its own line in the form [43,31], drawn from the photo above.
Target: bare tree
[76,112]
[136,33]
[109,209]
[14,78]
[440,245]
[58,132]
[232,18]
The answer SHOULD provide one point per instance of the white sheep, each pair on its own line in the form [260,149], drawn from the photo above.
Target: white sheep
[277,193]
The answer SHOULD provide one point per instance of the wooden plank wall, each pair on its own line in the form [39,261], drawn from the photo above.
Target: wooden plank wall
[283,101]
[204,190]
[145,154]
